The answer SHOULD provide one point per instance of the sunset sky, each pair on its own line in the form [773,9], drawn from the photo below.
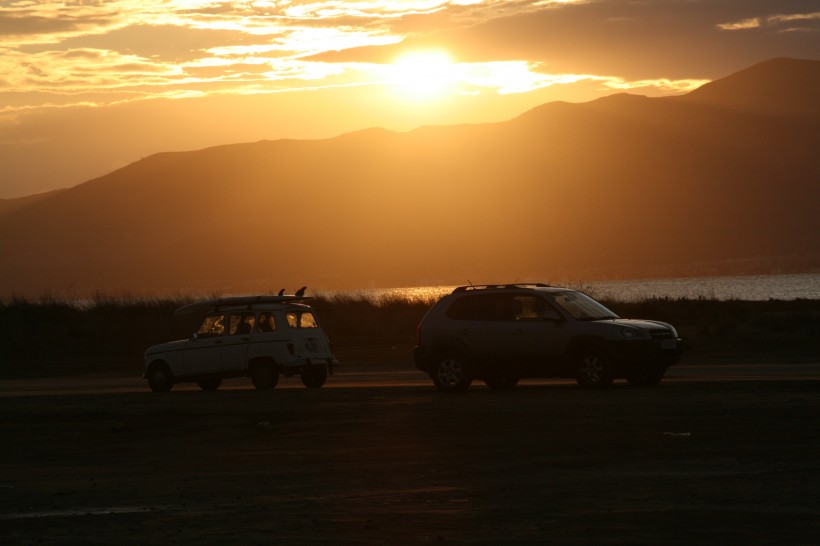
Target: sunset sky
[91,85]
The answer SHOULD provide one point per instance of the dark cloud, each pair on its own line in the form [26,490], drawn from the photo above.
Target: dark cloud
[630,39]
[165,41]
[19,25]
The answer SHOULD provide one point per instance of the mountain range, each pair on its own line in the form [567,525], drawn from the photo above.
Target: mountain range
[722,180]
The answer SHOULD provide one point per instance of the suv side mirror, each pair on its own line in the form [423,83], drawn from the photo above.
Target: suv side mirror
[194,336]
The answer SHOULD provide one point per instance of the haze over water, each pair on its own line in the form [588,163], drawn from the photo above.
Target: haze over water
[746,287]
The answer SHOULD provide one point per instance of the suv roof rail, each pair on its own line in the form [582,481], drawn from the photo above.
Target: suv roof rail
[496,286]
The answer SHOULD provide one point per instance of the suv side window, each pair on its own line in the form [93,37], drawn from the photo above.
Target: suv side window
[241,324]
[266,323]
[482,307]
[528,307]
[212,326]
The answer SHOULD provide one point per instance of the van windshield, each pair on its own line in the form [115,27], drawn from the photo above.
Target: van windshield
[582,307]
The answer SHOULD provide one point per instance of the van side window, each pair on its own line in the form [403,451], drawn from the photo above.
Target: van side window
[241,324]
[212,326]
[301,320]
[266,323]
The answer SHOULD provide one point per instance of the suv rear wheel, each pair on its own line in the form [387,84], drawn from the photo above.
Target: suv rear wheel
[451,372]
[594,368]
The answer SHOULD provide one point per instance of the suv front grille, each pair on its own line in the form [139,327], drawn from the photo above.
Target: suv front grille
[661,334]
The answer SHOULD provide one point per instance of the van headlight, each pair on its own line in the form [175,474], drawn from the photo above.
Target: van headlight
[634,334]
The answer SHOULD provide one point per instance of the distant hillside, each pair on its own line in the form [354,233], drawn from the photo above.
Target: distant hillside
[720,181]
[10,205]
[780,86]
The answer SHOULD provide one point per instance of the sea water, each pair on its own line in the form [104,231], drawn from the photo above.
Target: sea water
[746,287]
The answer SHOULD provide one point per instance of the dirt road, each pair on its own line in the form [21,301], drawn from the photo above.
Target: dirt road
[695,460]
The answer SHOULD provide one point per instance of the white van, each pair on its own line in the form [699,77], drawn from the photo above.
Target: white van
[261,337]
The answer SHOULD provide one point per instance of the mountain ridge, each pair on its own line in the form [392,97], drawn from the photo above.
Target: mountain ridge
[622,186]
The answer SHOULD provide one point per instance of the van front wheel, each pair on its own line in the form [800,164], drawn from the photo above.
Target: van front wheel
[160,378]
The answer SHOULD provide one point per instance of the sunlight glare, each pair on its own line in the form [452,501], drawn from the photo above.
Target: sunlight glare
[422,74]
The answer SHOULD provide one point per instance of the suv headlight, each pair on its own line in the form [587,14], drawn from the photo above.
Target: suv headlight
[633,334]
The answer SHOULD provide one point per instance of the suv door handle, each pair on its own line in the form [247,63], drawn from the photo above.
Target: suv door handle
[217,341]
[518,332]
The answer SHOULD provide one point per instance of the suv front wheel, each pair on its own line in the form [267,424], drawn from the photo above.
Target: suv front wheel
[451,372]
[594,368]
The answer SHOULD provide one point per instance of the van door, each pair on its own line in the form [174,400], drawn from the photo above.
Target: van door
[203,353]
[235,348]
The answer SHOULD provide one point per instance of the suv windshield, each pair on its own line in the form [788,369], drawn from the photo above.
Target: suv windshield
[582,307]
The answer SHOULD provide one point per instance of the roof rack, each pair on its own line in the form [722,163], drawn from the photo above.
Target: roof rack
[496,286]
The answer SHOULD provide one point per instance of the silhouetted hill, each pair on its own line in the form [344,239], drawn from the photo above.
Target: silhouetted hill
[784,86]
[624,186]
[10,205]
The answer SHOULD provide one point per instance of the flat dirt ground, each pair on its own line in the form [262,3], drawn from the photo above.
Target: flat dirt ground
[690,461]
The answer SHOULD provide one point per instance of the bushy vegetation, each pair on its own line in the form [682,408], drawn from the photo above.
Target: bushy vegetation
[737,329]
[53,336]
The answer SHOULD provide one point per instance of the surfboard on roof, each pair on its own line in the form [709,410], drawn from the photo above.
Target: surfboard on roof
[207,306]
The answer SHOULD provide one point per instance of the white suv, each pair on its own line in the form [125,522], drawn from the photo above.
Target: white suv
[256,336]
[503,333]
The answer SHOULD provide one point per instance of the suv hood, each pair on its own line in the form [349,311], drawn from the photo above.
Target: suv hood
[643,324]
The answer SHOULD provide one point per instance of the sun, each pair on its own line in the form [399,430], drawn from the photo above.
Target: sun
[422,74]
